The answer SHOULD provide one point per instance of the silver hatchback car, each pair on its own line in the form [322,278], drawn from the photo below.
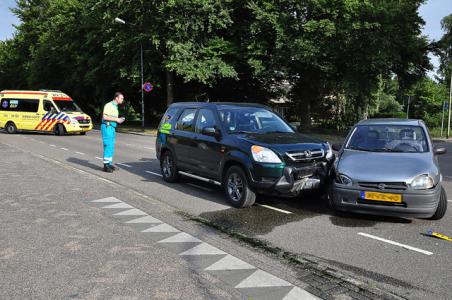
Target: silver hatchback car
[389,167]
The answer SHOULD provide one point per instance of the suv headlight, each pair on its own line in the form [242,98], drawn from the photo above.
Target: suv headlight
[344,179]
[74,121]
[264,155]
[329,151]
[422,182]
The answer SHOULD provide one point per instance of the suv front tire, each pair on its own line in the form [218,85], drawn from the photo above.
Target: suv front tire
[237,188]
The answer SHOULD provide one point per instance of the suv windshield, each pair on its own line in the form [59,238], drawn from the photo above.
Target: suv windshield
[67,106]
[252,120]
[388,138]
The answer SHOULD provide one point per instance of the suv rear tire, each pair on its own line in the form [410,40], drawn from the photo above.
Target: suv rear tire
[168,167]
[442,206]
[11,128]
[237,188]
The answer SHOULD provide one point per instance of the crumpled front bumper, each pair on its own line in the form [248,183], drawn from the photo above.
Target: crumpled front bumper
[292,180]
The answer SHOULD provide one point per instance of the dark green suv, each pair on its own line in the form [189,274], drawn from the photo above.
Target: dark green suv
[246,148]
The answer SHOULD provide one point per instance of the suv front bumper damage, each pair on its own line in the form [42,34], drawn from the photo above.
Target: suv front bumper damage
[294,180]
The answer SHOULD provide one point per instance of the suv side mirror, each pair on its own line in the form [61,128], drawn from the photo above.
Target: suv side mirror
[440,150]
[211,131]
[336,147]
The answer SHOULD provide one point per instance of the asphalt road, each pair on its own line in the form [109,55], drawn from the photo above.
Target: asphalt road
[418,267]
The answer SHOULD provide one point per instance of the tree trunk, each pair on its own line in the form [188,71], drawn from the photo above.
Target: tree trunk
[305,114]
[169,87]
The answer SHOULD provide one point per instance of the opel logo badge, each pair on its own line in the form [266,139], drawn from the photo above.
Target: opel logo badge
[307,153]
[382,186]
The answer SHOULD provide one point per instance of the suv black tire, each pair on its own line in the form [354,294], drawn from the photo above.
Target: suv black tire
[59,129]
[442,206]
[83,133]
[244,197]
[11,128]
[168,167]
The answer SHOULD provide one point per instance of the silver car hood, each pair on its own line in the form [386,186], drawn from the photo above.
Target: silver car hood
[387,167]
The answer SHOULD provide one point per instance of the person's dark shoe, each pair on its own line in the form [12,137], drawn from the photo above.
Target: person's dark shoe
[108,169]
[114,168]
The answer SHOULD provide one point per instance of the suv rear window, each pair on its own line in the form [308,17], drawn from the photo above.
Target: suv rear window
[186,120]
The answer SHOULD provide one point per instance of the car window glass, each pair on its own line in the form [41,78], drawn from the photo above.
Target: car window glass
[48,106]
[186,120]
[388,138]
[168,117]
[23,105]
[205,119]
[252,119]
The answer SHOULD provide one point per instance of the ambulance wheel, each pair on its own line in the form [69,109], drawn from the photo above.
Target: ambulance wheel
[11,128]
[83,133]
[59,129]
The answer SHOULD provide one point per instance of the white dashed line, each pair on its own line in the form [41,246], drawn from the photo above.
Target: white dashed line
[99,158]
[153,173]
[449,200]
[41,142]
[149,148]
[124,165]
[52,145]
[80,153]
[65,149]
[274,208]
[395,243]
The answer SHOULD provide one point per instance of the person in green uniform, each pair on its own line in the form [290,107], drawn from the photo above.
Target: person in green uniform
[110,119]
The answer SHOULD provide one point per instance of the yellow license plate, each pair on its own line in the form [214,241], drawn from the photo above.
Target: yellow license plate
[384,197]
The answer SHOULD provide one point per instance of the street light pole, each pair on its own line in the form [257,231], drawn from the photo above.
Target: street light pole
[121,21]
[142,91]
[450,102]
[408,108]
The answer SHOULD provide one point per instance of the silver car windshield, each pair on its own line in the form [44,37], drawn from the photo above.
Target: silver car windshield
[388,138]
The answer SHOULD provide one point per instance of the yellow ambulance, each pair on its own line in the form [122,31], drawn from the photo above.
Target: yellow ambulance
[44,110]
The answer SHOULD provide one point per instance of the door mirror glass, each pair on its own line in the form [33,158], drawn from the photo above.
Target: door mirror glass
[440,150]
[211,131]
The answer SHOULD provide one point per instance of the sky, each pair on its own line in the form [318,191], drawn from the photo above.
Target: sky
[432,12]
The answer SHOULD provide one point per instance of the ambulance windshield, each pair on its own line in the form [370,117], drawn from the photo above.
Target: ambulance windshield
[67,106]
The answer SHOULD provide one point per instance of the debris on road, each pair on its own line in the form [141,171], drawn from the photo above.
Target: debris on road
[438,235]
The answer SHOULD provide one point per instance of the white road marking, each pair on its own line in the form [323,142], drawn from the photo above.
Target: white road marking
[203,249]
[124,165]
[395,243]
[274,208]
[65,149]
[80,153]
[200,187]
[262,279]
[99,158]
[149,148]
[131,212]
[119,205]
[144,220]
[128,144]
[181,238]
[161,228]
[229,262]
[153,173]
[41,142]
[296,294]
[449,200]
[51,145]
[108,200]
